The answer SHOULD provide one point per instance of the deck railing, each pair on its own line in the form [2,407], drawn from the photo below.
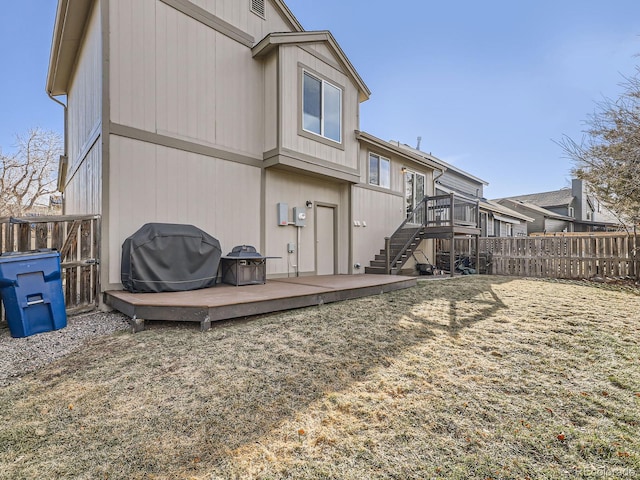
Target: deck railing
[450,210]
[443,211]
[435,211]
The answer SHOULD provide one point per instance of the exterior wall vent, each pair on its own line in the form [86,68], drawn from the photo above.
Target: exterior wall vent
[257,7]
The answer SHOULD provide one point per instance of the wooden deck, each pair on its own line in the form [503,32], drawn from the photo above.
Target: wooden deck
[224,302]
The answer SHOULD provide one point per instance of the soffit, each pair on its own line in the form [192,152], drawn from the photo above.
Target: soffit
[71,19]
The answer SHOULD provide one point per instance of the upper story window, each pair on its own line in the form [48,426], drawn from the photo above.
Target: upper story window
[257,7]
[322,108]
[379,171]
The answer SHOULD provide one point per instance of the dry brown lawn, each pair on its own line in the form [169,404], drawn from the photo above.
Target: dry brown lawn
[477,377]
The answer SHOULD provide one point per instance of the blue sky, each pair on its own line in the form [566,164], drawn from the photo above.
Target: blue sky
[488,85]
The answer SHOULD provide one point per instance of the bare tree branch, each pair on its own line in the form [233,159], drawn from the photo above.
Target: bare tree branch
[28,176]
[608,157]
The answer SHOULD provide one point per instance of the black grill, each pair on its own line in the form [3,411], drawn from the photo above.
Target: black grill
[243,251]
[244,266]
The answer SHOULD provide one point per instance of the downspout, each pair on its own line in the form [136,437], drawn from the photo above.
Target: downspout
[62,166]
[436,178]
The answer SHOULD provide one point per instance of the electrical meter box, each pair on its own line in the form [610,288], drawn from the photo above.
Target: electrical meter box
[283,214]
[299,216]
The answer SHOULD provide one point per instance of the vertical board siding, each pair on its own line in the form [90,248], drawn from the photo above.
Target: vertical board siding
[133,63]
[175,76]
[290,57]
[383,213]
[83,194]
[270,103]
[208,88]
[152,183]
[75,237]
[237,13]
[295,190]
[85,94]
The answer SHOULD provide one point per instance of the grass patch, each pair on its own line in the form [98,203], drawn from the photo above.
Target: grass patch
[480,377]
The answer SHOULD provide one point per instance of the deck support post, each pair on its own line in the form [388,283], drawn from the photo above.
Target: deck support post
[478,254]
[452,255]
[387,254]
[205,324]
[137,324]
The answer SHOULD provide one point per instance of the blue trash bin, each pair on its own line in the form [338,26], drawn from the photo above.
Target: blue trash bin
[31,291]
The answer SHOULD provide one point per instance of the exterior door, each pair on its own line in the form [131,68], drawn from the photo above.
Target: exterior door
[325,240]
[414,185]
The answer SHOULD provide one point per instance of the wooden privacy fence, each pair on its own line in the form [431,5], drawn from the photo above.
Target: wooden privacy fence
[76,237]
[571,257]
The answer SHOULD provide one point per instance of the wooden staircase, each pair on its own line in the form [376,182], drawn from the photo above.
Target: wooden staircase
[440,216]
[401,246]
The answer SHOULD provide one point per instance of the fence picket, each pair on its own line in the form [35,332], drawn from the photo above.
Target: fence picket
[80,260]
[572,257]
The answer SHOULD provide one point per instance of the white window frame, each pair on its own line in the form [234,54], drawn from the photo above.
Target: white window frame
[323,83]
[414,188]
[380,160]
[508,229]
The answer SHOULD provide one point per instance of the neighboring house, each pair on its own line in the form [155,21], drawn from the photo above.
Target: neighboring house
[495,220]
[227,115]
[565,210]
[543,220]
[500,221]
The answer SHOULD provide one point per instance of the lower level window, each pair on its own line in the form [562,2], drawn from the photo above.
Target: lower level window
[379,171]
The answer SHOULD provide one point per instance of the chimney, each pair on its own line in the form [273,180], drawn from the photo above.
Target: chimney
[419,141]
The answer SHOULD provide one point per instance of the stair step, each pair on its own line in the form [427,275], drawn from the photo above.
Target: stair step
[375,270]
[409,237]
[379,270]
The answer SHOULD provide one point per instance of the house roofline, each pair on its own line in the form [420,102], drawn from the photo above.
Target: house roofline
[68,30]
[498,208]
[289,15]
[433,158]
[388,147]
[536,208]
[274,40]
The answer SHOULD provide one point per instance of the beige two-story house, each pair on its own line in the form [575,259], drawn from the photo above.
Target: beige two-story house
[227,115]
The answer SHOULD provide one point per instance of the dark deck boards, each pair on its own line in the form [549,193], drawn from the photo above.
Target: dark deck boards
[224,302]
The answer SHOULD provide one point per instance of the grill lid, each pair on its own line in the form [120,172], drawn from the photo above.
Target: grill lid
[244,251]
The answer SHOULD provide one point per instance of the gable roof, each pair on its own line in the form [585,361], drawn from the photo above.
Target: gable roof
[555,198]
[533,208]
[274,40]
[495,207]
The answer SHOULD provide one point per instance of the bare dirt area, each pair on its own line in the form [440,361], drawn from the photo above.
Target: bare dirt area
[475,377]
